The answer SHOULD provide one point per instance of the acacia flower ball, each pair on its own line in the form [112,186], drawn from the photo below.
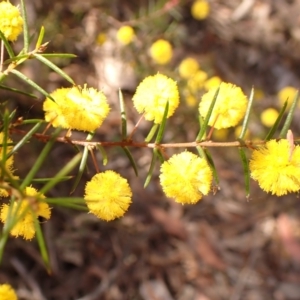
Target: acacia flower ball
[287,94]
[161,52]
[269,116]
[200,9]
[25,226]
[188,67]
[152,95]
[108,195]
[229,108]
[276,167]
[125,35]
[11,22]
[195,83]
[7,292]
[213,82]
[76,108]
[8,163]
[186,177]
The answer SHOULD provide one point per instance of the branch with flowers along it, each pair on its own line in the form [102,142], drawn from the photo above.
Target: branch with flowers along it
[185,177]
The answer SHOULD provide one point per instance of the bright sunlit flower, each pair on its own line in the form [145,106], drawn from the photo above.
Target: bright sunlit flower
[186,177]
[7,292]
[161,52]
[213,82]
[276,167]
[229,108]
[76,108]
[28,209]
[269,116]
[152,95]
[188,67]
[108,195]
[8,163]
[287,94]
[200,9]
[125,35]
[11,22]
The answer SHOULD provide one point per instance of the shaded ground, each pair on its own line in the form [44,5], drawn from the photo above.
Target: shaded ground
[225,247]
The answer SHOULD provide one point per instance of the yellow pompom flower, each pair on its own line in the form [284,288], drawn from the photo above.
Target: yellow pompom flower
[276,167]
[108,195]
[76,108]
[212,82]
[8,163]
[33,207]
[269,116]
[200,9]
[11,22]
[188,67]
[125,35]
[287,94]
[161,52]
[186,177]
[196,82]
[101,39]
[229,108]
[7,292]
[152,95]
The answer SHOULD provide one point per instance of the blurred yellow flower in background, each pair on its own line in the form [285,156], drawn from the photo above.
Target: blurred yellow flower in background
[287,94]
[108,195]
[7,292]
[196,82]
[26,211]
[212,82]
[152,95]
[11,21]
[229,108]
[186,177]
[161,52]
[76,108]
[188,67]
[125,35]
[101,39]
[269,116]
[276,167]
[200,9]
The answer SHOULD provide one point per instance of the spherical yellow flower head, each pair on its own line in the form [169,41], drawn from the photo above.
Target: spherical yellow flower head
[11,22]
[8,164]
[7,292]
[152,95]
[269,116]
[76,108]
[161,52]
[25,226]
[108,195]
[125,35]
[229,108]
[200,9]
[188,67]
[287,94]
[276,167]
[186,177]
[213,82]
[196,82]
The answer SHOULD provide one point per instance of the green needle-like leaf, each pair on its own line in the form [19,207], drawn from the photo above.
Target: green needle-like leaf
[246,170]
[289,118]
[162,126]
[32,83]
[123,116]
[247,115]
[103,153]
[212,166]
[276,124]
[40,38]
[151,133]
[8,48]
[3,87]
[25,26]
[151,169]
[130,157]
[54,67]
[206,120]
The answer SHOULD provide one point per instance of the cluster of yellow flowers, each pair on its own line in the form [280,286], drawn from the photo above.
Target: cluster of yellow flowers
[7,292]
